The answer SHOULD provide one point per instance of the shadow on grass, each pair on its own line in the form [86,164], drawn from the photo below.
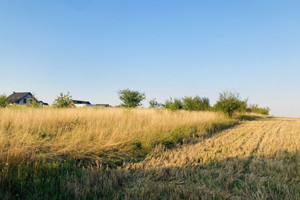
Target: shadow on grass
[274,177]
[247,117]
[112,158]
[232,178]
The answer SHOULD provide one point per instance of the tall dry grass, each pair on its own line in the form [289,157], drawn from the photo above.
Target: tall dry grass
[95,133]
[257,159]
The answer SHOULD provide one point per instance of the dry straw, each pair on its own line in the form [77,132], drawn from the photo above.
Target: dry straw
[90,133]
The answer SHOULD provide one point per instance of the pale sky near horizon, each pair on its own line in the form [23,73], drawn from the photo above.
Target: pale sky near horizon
[165,48]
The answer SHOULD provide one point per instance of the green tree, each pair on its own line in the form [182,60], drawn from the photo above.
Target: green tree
[154,104]
[64,101]
[33,102]
[229,103]
[4,101]
[195,103]
[131,98]
[173,104]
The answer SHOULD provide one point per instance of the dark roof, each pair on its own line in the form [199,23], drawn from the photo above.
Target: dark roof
[15,97]
[103,105]
[43,103]
[81,102]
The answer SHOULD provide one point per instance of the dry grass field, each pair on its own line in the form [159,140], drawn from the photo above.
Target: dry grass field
[62,154]
[90,133]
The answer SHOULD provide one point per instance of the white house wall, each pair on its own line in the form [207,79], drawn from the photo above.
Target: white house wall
[82,105]
[27,97]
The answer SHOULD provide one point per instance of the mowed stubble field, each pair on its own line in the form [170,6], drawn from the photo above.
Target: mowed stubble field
[254,160]
[251,160]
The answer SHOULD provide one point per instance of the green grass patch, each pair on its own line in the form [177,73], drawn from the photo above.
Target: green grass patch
[36,180]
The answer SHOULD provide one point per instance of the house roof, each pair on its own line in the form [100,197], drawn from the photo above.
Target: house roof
[99,104]
[81,102]
[43,103]
[17,96]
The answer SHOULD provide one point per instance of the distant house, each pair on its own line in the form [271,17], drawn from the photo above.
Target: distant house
[21,98]
[102,105]
[79,103]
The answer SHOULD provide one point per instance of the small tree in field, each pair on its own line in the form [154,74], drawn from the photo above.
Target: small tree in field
[64,101]
[4,101]
[131,98]
[230,102]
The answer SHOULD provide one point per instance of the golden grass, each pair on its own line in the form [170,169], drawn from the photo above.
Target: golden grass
[91,133]
[253,160]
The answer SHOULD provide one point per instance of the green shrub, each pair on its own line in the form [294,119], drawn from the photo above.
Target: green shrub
[4,101]
[229,103]
[195,103]
[258,110]
[173,104]
[64,101]
[131,98]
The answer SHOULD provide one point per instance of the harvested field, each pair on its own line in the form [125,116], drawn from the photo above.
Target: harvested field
[254,160]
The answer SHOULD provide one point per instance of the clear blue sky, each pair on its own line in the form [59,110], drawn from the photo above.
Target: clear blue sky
[165,48]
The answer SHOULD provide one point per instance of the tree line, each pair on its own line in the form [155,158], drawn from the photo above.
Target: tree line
[228,102]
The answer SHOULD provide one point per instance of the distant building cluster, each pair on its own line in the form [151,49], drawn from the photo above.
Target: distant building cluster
[79,103]
[23,98]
